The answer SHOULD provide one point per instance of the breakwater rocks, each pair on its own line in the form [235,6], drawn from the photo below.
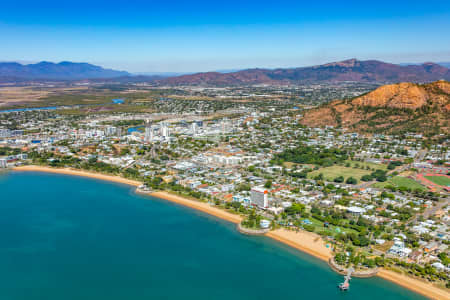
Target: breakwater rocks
[143,190]
[249,231]
[359,273]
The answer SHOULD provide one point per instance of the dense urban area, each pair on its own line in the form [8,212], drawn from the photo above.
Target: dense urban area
[380,200]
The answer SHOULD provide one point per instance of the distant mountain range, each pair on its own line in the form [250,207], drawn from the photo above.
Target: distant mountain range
[401,107]
[347,70]
[444,64]
[56,71]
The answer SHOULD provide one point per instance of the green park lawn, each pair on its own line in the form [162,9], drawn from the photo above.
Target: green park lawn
[331,229]
[440,180]
[400,181]
[329,173]
[332,172]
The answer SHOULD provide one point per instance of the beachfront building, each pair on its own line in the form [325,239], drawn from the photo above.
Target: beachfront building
[264,224]
[242,199]
[260,197]
[399,248]
[3,162]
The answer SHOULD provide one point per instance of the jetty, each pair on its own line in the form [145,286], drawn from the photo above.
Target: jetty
[344,286]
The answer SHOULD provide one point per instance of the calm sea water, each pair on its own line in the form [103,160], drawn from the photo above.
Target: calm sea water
[64,237]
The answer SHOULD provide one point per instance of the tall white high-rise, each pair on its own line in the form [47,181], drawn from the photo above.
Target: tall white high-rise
[148,135]
[165,132]
[260,197]
[110,130]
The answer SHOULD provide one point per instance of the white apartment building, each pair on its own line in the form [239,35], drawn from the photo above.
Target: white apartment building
[3,162]
[260,197]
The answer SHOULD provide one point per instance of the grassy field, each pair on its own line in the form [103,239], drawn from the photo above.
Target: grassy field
[400,181]
[356,170]
[105,109]
[19,97]
[384,247]
[331,229]
[329,173]
[440,180]
[10,96]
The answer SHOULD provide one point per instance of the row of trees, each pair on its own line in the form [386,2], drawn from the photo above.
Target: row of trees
[349,180]
[311,155]
[379,175]
[253,220]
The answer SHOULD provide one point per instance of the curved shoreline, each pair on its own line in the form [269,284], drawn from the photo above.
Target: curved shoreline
[69,171]
[306,242]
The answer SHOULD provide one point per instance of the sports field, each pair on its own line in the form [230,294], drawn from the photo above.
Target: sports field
[439,180]
[400,181]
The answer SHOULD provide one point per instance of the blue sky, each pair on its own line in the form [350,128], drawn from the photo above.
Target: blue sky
[188,36]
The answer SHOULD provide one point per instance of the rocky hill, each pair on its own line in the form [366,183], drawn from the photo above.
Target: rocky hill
[348,70]
[403,107]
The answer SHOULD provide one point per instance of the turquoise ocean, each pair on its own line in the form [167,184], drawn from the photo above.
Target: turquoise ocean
[64,237]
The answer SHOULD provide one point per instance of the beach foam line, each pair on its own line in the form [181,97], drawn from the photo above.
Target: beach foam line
[304,241]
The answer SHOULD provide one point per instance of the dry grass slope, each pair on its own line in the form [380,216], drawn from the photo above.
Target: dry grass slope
[391,108]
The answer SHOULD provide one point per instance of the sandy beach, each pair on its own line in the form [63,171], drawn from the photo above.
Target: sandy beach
[201,206]
[74,172]
[304,241]
[415,285]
